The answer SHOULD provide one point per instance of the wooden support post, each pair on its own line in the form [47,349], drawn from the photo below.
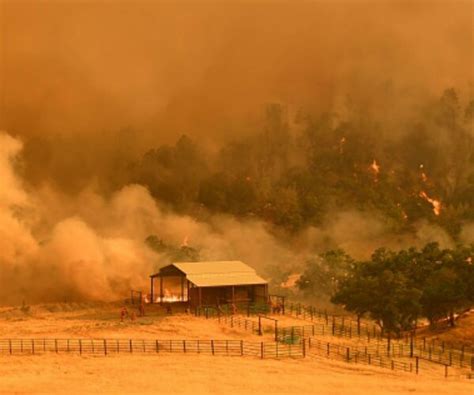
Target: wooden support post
[182,288]
[388,344]
[260,326]
[161,289]
[200,296]
[417,364]
[152,291]
[187,293]
[276,331]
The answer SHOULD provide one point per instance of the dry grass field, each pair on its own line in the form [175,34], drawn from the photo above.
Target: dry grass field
[178,373]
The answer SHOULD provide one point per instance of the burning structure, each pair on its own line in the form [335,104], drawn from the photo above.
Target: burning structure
[208,283]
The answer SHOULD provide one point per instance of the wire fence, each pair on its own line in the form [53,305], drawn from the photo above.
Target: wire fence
[148,346]
[369,349]
[342,326]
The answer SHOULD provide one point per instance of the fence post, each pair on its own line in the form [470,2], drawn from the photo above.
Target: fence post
[157,346]
[184,346]
[259,325]
[56,345]
[445,370]
[33,346]
[105,347]
[348,354]
[10,346]
[328,349]
[242,347]
[417,364]
[304,348]
[130,345]
[261,349]
[212,346]
[80,347]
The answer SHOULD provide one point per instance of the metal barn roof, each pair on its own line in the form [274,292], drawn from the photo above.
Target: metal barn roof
[219,273]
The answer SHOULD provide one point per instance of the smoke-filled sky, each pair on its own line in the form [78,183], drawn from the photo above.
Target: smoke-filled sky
[202,67]
[85,70]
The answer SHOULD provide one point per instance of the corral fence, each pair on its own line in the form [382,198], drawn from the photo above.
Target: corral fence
[377,351]
[407,344]
[106,347]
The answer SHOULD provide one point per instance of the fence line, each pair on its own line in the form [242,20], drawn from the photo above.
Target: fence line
[378,351]
[149,346]
[432,350]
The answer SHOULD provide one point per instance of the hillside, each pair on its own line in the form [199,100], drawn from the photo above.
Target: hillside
[462,333]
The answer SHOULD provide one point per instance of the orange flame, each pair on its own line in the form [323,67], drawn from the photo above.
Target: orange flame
[375,167]
[185,242]
[341,144]
[435,203]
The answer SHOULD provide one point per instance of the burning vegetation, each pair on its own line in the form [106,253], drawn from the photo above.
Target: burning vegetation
[285,152]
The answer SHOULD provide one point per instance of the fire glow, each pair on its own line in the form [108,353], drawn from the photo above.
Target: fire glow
[375,167]
[435,203]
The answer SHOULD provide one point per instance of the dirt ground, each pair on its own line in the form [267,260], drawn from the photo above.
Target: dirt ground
[166,374]
[178,373]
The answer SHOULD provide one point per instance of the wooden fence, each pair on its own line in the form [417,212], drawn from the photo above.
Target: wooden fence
[377,351]
[324,324]
[147,346]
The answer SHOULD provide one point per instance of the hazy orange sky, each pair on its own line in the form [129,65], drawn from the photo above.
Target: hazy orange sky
[205,68]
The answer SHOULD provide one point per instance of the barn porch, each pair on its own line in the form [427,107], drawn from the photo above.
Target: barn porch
[208,284]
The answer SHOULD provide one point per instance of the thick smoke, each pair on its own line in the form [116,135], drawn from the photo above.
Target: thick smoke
[90,247]
[57,247]
[88,87]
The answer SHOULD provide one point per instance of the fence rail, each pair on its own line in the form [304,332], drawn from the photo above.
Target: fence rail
[343,326]
[149,346]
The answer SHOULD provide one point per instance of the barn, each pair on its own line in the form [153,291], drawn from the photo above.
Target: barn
[208,284]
